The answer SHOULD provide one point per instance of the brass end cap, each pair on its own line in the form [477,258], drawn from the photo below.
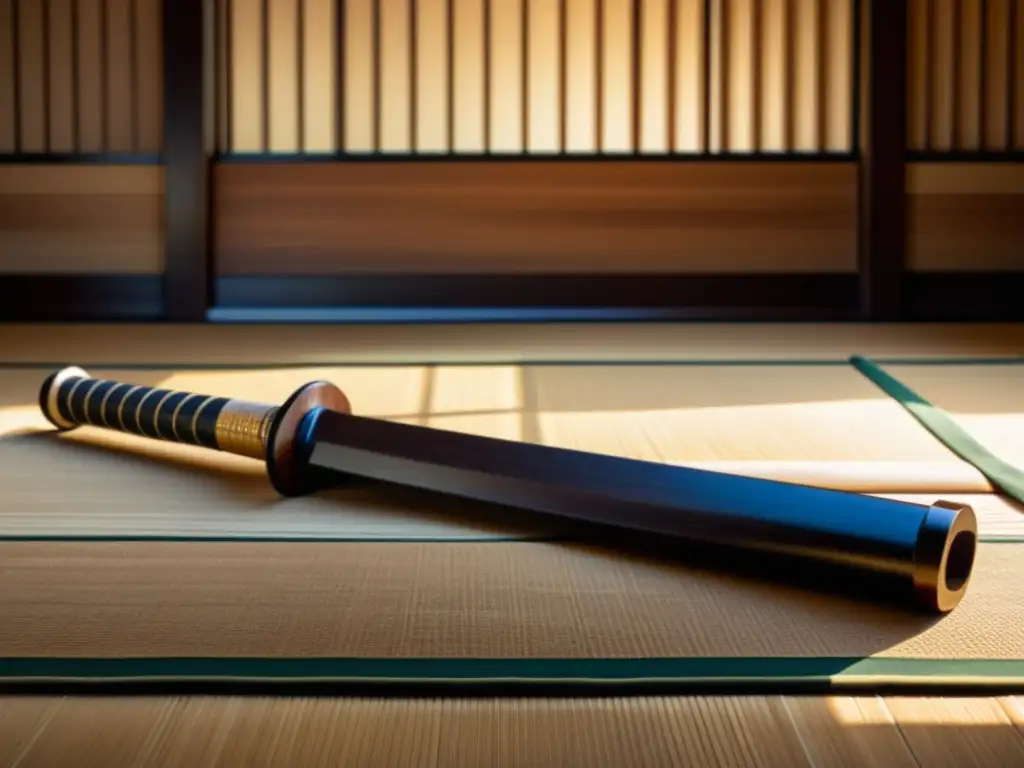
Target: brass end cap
[944,557]
[48,395]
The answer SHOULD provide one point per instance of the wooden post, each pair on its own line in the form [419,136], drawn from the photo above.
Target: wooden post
[187,159]
[882,218]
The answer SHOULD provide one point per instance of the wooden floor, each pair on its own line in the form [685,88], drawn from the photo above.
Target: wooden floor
[703,732]
[114,547]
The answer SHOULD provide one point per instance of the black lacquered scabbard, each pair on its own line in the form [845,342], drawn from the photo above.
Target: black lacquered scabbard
[927,551]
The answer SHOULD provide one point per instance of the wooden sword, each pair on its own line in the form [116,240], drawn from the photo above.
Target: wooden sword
[313,440]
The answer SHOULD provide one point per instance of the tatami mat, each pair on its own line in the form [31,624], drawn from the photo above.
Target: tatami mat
[372,610]
[560,343]
[412,586]
[698,732]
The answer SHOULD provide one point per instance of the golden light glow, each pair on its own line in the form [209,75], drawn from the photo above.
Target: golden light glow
[957,712]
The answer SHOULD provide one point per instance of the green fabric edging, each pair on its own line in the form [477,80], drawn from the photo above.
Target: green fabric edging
[1003,476]
[831,670]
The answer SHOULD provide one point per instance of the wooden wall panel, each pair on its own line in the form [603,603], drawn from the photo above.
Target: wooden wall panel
[522,77]
[966,217]
[965,76]
[80,76]
[541,217]
[81,219]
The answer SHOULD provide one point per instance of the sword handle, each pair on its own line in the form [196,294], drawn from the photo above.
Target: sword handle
[71,398]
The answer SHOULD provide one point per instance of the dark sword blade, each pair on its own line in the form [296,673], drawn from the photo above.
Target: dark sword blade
[929,548]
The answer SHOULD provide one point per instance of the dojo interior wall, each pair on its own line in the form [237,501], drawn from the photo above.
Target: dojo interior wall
[80,81]
[81,114]
[611,86]
[966,108]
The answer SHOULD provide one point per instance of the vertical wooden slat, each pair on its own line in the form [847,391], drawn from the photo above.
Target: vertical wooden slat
[61,85]
[690,111]
[319,75]
[771,104]
[808,71]
[32,112]
[340,69]
[431,83]
[919,65]
[358,86]
[671,64]
[756,69]
[955,63]
[563,73]
[738,67]
[789,100]
[636,105]
[104,77]
[76,77]
[468,64]
[653,108]
[300,74]
[542,130]
[997,56]
[149,96]
[821,73]
[119,81]
[90,90]
[618,91]
[506,80]
[982,83]
[525,67]
[839,83]
[265,76]
[581,53]
[133,72]
[969,82]
[1017,78]
[715,49]
[943,78]
[222,97]
[246,88]
[45,54]
[395,85]
[8,51]
[282,54]
[485,84]
[600,54]
[377,86]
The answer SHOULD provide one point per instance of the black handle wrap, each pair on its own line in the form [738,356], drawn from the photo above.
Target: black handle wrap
[70,398]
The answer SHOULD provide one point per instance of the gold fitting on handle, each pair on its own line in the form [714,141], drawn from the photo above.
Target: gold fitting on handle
[242,428]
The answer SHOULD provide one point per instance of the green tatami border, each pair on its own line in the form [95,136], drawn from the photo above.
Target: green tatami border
[820,672]
[1004,477]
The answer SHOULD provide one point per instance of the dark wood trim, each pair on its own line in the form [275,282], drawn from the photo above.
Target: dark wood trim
[187,157]
[964,296]
[45,158]
[1015,156]
[270,158]
[882,227]
[78,298]
[539,297]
